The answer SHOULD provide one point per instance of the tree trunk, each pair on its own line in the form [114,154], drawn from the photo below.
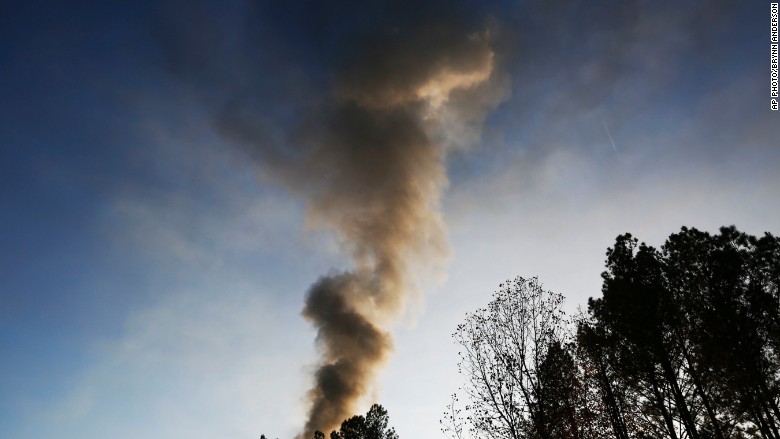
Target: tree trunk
[615,414]
[770,398]
[679,399]
[705,400]
[759,421]
[660,400]
[769,420]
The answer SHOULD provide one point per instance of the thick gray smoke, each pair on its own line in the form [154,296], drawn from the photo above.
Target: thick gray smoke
[368,156]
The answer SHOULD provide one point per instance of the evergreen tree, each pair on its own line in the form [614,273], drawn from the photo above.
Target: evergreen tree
[372,426]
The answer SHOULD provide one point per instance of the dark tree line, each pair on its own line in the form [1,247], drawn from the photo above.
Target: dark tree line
[684,342]
[372,426]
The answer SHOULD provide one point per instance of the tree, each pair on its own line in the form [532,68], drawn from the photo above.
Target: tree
[373,426]
[638,309]
[690,332]
[521,380]
[684,343]
[568,410]
[727,285]
[601,379]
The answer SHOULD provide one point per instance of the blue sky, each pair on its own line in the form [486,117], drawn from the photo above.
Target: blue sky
[154,267]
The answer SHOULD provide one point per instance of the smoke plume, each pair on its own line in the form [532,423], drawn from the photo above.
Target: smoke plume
[380,159]
[368,156]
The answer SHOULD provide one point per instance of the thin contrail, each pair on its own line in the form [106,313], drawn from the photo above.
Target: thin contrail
[608,133]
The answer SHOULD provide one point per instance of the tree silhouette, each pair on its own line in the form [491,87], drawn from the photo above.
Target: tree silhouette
[564,398]
[683,343]
[691,332]
[641,312]
[506,350]
[728,286]
[372,426]
[602,379]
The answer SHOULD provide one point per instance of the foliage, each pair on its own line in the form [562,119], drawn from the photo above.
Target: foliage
[684,342]
[521,379]
[690,331]
[372,426]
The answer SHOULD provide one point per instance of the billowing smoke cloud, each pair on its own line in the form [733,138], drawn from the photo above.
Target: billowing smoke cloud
[368,156]
[379,159]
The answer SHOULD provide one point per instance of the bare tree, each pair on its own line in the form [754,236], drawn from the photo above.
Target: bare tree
[503,349]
